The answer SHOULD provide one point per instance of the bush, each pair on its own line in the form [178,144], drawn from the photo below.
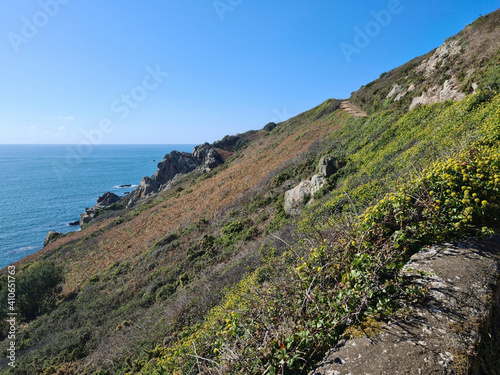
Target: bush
[37,289]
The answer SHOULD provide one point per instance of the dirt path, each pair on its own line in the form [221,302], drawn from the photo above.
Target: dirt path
[351,109]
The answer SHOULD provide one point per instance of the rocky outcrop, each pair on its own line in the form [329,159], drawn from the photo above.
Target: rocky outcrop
[439,335]
[328,165]
[441,55]
[208,157]
[296,198]
[106,200]
[317,182]
[175,163]
[51,237]
[436,94]
[203,158]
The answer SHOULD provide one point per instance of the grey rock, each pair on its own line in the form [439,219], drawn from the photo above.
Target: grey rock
[106,200]
[317,182]
[328,165]
[175,163]
[297,197]
[207,156]
[462,280]
[51,237]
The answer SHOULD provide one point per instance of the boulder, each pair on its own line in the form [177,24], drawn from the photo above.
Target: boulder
[106,200]
[317,182]
[51,237]
[328,165]
[207,156]
[87,216]
[270,126]
[296,198]
[175,163]
[435,335]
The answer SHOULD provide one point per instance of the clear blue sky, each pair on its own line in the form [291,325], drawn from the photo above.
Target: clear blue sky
[75,67]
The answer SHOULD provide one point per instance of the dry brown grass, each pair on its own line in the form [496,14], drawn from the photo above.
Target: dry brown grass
[207,197]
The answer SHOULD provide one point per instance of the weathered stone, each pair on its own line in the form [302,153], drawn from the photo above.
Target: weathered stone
[317,182]
[462,281]
[297,197]
[51,237]
[207,156]
[396,89]
[327,166]
[270,126]
[106,200]
[175,163]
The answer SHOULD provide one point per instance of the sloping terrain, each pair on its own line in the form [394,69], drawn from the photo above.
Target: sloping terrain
[213,276]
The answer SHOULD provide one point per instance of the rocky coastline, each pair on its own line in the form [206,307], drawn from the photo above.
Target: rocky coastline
[203,158]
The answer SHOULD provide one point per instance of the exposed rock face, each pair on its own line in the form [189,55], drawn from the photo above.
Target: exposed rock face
[208,156]
[175,164]
[106,200]
[438,334]
[317,182]
[51,236]
[441,56]
[296,198]
[146,188]
[328,165]
[437,94]
[397,92]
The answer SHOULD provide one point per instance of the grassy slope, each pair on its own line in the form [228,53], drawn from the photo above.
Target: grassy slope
[128,286]
[343,266]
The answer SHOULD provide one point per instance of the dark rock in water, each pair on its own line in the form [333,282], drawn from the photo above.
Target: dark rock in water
[124,186]
[106,200]
[74,223]
[126,193]
[154,161]
[51,237]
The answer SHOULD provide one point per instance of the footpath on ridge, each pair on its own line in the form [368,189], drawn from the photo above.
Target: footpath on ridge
[441,335]
[351,109]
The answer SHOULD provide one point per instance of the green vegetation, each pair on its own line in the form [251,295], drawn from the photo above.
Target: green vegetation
[312,293]
[36,292]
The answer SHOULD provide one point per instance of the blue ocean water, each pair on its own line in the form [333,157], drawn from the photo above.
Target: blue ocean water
[45,187]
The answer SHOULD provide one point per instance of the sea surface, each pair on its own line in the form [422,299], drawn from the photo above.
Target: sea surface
[45,187]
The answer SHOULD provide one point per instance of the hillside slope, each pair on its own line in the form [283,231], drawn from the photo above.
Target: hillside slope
[212,275]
